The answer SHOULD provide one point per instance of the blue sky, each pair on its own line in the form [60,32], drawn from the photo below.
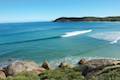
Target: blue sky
[46,10]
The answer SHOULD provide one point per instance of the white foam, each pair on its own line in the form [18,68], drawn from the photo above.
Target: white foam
[115,41]
[73,60]
[112,37]
[75,33]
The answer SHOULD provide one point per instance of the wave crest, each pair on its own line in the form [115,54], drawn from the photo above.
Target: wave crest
[68,34]
[75,33]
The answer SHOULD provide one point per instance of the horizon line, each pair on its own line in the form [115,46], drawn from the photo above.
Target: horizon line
[10,22]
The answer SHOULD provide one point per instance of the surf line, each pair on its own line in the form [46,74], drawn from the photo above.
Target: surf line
[115,41]
[75,33]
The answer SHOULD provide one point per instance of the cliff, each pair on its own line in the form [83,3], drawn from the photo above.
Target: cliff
[77,19]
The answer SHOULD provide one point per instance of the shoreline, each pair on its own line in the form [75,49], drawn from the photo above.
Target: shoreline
[70,60]
[87,68]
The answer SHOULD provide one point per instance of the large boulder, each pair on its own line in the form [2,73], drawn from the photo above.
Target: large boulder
[92,66]
[99,62]
[2,75]
[20,66]
[102,62]
[99,71]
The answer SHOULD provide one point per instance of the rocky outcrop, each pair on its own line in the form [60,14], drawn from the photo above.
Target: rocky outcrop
[82,61]
[99,71]
[99,62]
[76,19]
[2,74]
[20,66]
[97,66]
[88,68]
[46,65]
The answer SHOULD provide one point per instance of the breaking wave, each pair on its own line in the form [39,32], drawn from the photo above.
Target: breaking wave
[75,33]
[112,37]
[67,34]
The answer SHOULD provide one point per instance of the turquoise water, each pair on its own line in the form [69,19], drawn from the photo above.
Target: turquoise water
[41,41]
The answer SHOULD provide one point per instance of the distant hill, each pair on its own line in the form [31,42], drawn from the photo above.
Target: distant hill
[77,19]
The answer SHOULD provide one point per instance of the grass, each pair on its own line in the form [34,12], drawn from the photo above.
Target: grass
[23,76]
[109,75]
[62,74]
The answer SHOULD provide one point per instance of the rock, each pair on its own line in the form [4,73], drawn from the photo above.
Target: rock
[99,62]
[20,66]
[64,65]
[85,69]
[39,70]
[2,75]
[99,71]
[46,65]
[82,61]
[102,62]
[94,65]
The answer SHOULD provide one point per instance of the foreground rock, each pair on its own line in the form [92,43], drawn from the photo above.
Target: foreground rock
[2,75]
[98,62]
[97,66]
[88,68]
[20,66]
[82,61]
[46,65]
[99,71]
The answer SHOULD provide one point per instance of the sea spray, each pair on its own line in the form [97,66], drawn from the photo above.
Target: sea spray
[112,37]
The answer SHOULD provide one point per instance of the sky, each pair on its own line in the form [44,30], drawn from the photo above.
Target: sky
[47,10]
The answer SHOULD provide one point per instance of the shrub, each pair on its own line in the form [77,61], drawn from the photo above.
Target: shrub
[24,76]
[62,74]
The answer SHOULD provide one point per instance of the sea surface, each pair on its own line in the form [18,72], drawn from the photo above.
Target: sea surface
[55,42]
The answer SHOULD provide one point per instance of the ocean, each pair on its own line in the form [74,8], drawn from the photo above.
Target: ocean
[55,42]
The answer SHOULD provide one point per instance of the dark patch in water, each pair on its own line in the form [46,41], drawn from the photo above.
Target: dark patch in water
[17,42]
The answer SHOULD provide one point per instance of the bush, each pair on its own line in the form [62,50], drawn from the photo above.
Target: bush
[62,74]
[24,76]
